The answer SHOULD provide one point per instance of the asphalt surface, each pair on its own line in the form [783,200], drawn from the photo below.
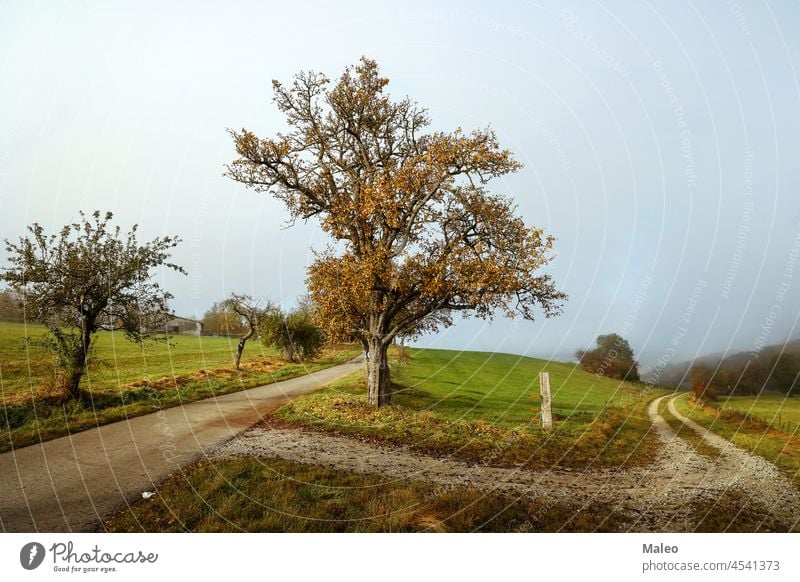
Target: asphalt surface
[72,483]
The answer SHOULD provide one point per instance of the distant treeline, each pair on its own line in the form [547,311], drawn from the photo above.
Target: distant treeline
[11,307]
[774,368]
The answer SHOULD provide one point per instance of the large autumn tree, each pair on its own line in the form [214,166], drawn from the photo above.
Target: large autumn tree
[419,237]
[88,277]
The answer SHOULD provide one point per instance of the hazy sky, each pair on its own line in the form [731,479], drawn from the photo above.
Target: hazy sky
[660,143]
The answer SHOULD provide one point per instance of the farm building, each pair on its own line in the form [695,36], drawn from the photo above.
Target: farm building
[184,326]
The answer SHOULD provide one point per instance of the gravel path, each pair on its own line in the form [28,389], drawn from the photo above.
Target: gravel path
[655,498]
[751,473]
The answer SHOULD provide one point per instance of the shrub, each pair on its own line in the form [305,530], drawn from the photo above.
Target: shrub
[295,333]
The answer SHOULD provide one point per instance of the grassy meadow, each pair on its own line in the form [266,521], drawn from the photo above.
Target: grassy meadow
[776,410]
[128,379]
[478,406]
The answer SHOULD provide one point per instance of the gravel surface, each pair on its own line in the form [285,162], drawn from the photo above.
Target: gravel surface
[657,497]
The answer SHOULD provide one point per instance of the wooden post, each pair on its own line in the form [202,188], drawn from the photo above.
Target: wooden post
[547,416]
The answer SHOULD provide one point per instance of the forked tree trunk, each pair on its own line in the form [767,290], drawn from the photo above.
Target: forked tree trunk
[240,347]
[378,383]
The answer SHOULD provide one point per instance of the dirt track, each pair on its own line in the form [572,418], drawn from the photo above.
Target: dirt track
[656,497]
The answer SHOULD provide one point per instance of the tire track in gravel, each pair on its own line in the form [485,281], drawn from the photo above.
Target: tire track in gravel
[750,473]
[657,497]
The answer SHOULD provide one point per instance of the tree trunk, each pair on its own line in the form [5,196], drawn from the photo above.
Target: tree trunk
[73,382]
[288,352]
[239,350]
[240,347]
[78,364]
[379,386]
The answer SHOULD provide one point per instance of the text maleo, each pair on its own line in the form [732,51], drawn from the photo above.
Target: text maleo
[659,549]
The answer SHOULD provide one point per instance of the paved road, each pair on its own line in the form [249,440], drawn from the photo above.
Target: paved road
[71,483]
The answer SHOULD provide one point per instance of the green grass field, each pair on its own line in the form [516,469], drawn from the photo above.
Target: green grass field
[115,361]
[479,407]
[776,410]
[128,379]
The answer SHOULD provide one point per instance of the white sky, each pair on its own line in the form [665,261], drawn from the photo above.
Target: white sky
[660,142]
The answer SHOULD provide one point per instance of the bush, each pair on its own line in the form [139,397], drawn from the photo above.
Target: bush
[702,388]
[613,358]
[704,392]
[294,333]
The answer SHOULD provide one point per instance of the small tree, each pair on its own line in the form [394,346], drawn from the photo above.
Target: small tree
[86,278]
[250,313]
[295,333]
[612,357]
[702,388]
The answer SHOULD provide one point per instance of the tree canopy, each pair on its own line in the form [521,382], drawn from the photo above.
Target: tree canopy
[419,235]
[612,357]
